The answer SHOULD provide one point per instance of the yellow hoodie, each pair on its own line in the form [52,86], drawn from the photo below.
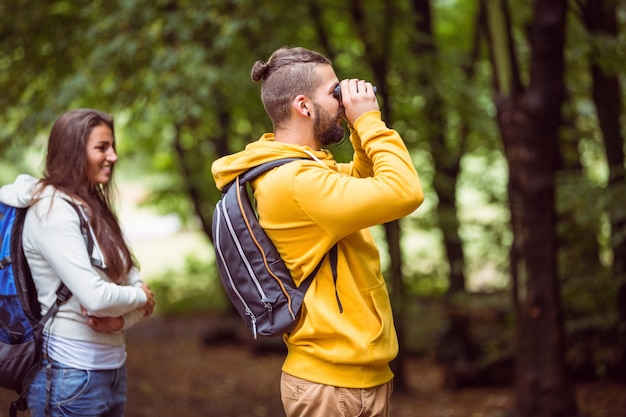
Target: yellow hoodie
[305,208]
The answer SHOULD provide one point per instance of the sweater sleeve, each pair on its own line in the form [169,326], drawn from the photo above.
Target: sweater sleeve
[132,318]
[135,316]
[59,254]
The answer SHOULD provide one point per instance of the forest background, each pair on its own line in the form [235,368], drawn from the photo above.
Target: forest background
[514,269]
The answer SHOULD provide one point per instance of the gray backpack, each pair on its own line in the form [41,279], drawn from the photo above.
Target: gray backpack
[255,277]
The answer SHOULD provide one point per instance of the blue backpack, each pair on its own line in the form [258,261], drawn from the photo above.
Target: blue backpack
[21,322]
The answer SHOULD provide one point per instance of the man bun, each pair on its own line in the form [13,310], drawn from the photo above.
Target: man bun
[259,70]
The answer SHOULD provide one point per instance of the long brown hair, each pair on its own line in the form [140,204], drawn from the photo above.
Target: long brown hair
[66,170]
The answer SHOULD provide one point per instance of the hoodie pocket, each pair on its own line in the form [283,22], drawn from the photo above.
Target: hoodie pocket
[384,344]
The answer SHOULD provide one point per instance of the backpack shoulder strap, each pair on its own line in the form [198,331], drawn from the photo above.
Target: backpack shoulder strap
[254,172]
[63,293]
[84,225]
[24,285]
[306,283]
[88,235]
[332,254]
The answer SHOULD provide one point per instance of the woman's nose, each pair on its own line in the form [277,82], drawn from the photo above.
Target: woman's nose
[112,156]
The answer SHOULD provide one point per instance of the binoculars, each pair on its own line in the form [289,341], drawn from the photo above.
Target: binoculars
[337,92]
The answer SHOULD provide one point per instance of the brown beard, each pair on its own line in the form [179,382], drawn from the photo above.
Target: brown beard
[326,128]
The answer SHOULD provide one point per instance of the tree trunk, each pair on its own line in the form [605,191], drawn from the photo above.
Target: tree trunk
[529,123]
[398,297]
[446,157]
[600,18]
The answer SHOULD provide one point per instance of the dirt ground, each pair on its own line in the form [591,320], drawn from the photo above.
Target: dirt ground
[174,371]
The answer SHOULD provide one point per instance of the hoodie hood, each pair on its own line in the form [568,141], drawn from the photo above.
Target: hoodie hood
[20,193]
[266,149]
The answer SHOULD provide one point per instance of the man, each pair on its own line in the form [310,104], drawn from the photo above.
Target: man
[339,351]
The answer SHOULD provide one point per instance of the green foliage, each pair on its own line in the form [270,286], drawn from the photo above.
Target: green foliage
[196,288]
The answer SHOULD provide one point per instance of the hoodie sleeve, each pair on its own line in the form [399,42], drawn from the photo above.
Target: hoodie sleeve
[381,186]
[360,166]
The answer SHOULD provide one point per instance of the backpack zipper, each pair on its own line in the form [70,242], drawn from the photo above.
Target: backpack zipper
[252,321]
[249,312]
[264,299]
[245,260]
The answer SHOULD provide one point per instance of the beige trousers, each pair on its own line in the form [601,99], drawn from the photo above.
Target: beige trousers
[302,398]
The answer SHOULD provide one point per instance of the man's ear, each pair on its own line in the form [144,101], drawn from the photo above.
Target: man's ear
[302,105]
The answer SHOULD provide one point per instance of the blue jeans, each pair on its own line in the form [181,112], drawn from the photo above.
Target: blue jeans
[78,393]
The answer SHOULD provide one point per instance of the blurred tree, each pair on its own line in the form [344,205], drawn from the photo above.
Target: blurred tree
[447,148]
[529,119]
[446,153]
[600,19]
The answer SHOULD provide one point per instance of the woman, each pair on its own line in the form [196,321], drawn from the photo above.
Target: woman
[84,345]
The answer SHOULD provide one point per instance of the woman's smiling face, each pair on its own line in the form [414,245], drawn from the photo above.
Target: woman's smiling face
[101,155]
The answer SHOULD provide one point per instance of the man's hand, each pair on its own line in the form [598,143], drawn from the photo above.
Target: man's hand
[357,98]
